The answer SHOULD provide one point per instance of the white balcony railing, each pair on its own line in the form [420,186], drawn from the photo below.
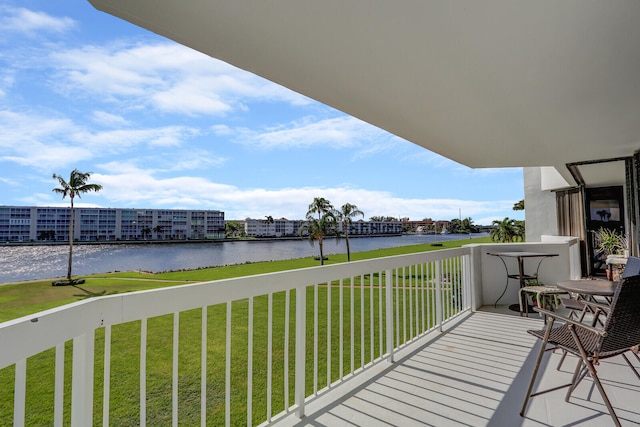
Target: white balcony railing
[247,350]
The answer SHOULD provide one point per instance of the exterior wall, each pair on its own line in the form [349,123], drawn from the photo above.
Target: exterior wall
[490,277]
[24,224]
[540,212]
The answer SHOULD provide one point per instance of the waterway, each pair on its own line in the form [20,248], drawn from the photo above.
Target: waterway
[20,263]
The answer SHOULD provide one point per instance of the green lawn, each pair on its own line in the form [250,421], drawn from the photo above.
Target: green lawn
[21,299]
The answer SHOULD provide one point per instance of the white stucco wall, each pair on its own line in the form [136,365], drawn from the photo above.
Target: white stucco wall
[540,206]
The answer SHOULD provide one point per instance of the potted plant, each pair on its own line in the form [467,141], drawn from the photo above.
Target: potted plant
[609,242]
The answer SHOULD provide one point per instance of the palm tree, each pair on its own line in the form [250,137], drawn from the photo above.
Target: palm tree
[146,232]
[507,230]
[317,228]
[321,206]
[76,186]
[344,217]
[158,230]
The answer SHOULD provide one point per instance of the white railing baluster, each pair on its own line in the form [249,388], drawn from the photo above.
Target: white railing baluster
[404,308]
[301,330]
[362,320]
[423,274]
[410,303]
[58,400]
[174,385]
[203,368]
[438,294]
[371,316]
[352,318]
[269,355]
[20,393]
[315,339]
[381,292]
[287,311]
[329,334]
[227,369]
[397,323]
[389,314]
[106,376]
[143,372]
[341,332]
[250,363]
[82,380]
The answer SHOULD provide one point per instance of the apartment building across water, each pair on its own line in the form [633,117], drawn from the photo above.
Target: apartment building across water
[31,223]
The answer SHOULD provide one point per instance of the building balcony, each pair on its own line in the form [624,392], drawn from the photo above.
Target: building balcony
[406,340]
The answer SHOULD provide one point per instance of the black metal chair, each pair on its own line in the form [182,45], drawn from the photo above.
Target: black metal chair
[620,334]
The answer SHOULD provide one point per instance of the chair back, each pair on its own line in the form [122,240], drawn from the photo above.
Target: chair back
[623,321]
[632,268]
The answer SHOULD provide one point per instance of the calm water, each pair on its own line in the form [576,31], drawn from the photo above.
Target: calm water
[18,263]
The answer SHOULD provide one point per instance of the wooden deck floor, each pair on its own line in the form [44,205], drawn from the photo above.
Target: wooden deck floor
[476,374]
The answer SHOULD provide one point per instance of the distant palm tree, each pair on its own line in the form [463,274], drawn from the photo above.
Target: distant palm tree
[315,228]
[321,206]
[344,216]
[158,230]
[519,206]
[146,232]
[507,230]
[76,186]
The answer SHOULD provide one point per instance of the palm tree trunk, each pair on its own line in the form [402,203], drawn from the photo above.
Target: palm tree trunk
[70,242]
[346,237]
[321,252]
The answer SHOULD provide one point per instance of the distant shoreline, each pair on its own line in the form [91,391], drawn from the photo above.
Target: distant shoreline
[173,241]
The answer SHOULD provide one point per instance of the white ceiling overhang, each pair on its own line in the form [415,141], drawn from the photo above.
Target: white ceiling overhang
[487,83]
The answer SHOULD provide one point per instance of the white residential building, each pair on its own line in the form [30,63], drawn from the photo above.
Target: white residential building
[32,223]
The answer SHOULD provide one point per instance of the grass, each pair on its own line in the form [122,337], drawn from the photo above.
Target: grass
[20,299]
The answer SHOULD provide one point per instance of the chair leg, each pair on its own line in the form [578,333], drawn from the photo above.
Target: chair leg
[564,356]
[594,374]
[534,374]
[578,374]
[596,380]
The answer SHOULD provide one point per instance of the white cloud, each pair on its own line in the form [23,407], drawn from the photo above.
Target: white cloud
[339,132]
[29,22]
[164,76]
[151,190]
[107,119]
[42,142]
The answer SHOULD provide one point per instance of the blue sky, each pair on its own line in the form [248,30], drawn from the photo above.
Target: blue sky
[162,126]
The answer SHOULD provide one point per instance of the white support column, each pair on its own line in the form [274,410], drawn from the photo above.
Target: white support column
[82,380]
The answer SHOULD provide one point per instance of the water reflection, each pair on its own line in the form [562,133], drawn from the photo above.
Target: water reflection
[18,263]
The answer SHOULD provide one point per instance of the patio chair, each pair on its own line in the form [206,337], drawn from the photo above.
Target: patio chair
[621,333]
[632,268]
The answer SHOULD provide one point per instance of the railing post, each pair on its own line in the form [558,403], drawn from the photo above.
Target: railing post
[389,313]
[438,280]
[301,339]
[466,281]
[20,393]
[82,380]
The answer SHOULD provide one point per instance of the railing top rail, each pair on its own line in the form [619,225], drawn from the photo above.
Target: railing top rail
[47,328]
